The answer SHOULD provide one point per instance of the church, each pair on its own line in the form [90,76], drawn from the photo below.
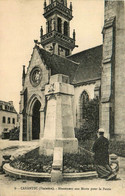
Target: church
[96,74]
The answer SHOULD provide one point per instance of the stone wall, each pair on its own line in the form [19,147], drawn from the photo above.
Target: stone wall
[36,61]
[33,93]
[112,108]
[120,70]
[110,9]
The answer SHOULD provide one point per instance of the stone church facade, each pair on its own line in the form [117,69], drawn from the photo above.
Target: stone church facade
[95,73]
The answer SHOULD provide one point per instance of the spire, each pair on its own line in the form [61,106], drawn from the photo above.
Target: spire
[23,75]
[74,35]
[44,3]
[70,5]
[41,32]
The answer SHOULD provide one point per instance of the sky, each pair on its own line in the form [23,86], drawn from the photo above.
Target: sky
[20,22]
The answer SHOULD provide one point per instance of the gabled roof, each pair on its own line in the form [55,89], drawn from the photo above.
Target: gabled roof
[82,67]
[90,65]
[58,64]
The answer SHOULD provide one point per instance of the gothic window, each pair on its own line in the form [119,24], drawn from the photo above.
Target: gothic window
[4,119]
[83,104]
[59,25]
[49,25]
[66,28]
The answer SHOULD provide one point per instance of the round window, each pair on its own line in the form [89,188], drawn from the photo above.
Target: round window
[36,76]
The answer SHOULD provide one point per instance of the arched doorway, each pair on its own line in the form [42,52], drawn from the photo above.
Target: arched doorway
[36,120]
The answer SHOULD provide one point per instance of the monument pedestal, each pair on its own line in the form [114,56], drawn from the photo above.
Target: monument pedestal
[59,126]
[69,145]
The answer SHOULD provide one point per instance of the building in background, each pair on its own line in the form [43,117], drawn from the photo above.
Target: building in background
[96,74]
[8,116]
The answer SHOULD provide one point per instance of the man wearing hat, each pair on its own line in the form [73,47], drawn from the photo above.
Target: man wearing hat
[101,157]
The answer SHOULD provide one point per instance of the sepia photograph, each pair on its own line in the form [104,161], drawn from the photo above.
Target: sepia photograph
[62,101]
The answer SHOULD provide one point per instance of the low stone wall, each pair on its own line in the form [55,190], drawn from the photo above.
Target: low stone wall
[35,175]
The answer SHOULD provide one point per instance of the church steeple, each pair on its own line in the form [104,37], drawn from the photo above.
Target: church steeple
[58,17]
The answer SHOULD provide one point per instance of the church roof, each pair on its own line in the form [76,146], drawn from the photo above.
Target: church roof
[82,67]
[58,64]
[90,65]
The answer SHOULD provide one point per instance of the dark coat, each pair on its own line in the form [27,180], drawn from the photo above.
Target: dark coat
[100,148]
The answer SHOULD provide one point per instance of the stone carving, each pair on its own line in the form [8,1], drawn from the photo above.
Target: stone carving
[51,88]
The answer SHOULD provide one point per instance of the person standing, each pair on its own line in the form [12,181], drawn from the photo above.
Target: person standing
[101,157]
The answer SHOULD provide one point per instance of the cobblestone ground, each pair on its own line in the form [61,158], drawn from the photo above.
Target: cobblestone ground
[11,187]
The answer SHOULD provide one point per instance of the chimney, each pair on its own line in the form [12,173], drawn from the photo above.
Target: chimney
[11,103]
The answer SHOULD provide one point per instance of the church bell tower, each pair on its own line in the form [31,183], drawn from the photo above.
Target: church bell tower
[57,38]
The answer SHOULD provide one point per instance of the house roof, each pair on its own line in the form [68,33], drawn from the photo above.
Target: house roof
[90,65]
[58,64]
[7,106]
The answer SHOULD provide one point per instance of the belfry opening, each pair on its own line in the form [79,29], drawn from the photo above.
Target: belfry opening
[36,120]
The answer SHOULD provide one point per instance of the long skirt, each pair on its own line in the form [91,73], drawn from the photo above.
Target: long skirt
[104,171]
